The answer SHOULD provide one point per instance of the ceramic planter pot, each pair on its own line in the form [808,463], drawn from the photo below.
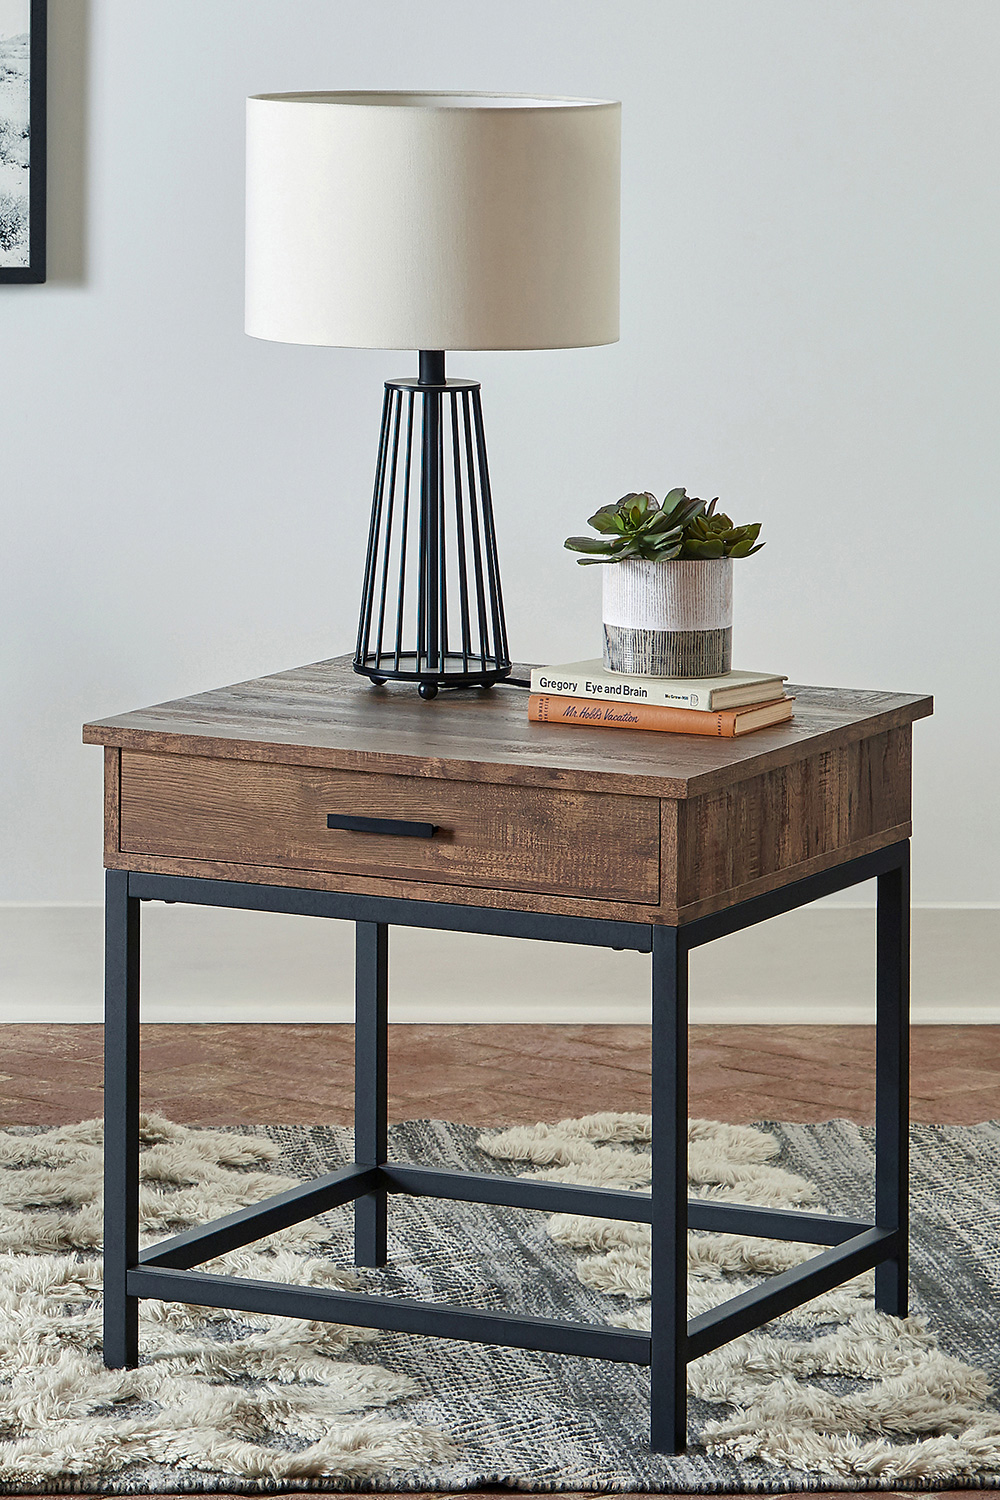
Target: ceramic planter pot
[669,619]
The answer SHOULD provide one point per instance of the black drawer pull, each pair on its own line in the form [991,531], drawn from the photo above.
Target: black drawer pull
[398,826]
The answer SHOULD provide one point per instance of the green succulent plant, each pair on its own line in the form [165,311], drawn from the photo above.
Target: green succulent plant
[711,533]
[683,526]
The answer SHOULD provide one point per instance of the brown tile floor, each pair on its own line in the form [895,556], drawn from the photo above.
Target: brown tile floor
[498,1075]
[495,1075]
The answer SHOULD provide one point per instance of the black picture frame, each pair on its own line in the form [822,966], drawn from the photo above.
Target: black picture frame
[37,66]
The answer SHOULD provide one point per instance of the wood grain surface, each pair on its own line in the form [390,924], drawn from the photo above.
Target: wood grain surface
[112,804]
[236,784]
[488,836]
[325,715]
[215,1074]
[744,838]
[519,848]
[503,900]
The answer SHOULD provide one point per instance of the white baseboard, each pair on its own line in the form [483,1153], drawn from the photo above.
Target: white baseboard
[814,965]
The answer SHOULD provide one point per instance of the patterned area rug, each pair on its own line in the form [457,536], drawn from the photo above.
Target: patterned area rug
[833,1396]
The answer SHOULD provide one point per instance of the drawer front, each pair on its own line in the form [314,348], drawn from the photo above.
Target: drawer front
[494,837]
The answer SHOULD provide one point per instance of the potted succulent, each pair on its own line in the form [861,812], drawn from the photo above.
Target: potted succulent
[668,599]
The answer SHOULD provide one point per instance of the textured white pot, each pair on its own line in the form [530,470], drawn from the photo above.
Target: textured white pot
[669,619]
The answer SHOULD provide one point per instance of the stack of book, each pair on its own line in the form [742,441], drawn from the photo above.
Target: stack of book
[586,694]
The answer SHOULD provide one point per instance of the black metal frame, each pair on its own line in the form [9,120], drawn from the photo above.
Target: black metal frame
[165,1270]
[450,631]
[34,271]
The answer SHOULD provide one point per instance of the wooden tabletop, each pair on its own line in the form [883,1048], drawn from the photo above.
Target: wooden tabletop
[326,715]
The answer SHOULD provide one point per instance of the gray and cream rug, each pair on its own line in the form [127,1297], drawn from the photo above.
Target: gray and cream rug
[834,1396]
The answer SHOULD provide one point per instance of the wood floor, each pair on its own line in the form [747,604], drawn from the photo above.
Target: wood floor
[483,1075]
[494,1075]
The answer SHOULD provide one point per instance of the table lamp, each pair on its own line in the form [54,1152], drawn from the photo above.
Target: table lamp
[432,221]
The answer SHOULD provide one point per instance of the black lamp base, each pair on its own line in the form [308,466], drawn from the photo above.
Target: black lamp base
[431,607]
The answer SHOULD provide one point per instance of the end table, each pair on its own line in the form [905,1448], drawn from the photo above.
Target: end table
[313,792]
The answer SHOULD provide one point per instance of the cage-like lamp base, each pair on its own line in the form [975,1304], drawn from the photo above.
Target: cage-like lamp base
[432,607]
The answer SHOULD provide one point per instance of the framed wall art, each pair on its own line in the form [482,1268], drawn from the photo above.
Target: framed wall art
[22,140]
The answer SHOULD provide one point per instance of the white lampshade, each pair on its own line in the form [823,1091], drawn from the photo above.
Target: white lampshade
[432,221]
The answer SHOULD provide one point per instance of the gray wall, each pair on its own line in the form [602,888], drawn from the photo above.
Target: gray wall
[809,330]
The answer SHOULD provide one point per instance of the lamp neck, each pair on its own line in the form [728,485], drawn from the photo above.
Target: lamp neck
[431,367]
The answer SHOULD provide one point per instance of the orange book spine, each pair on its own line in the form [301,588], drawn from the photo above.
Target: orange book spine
[547,708]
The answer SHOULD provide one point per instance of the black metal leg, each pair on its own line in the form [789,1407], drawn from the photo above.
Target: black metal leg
[121,1121]
[371,1103]
[892,1001]
[668,1390]
[855,1245]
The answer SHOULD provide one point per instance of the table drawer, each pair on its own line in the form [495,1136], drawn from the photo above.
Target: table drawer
[494,837]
